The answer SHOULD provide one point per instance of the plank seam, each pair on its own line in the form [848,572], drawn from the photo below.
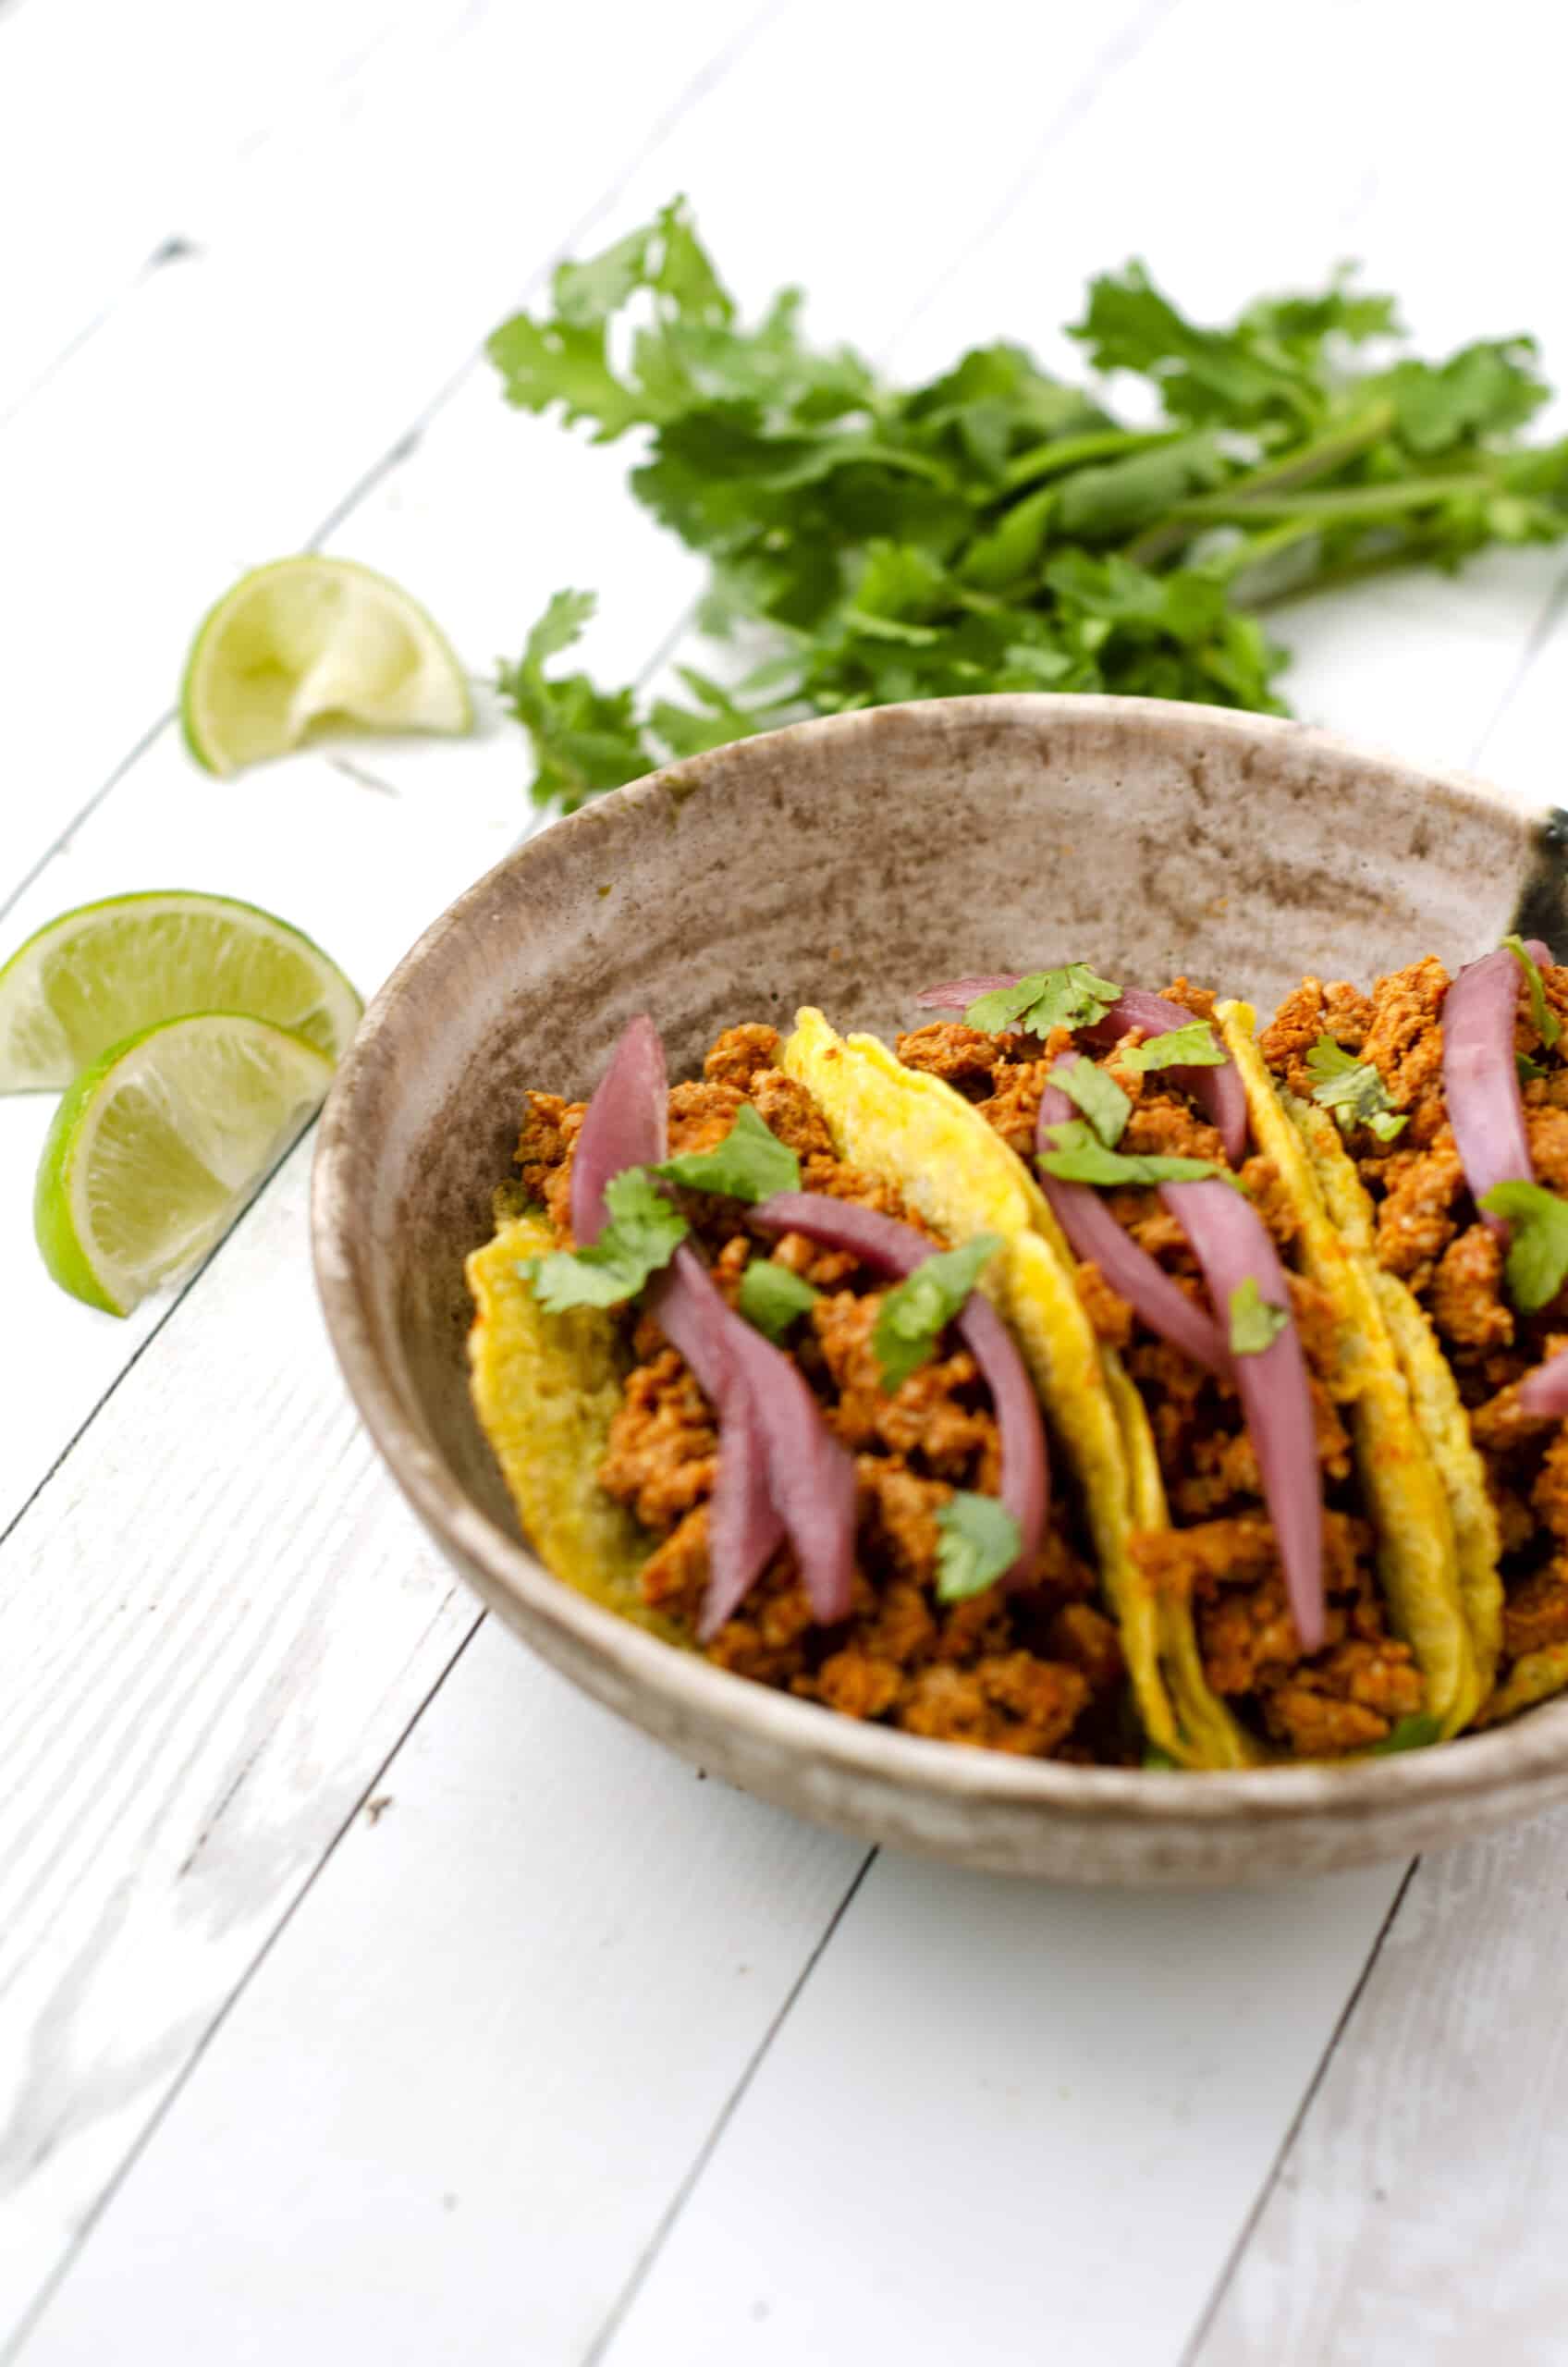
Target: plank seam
[620,2307]
[1190,2354]
[1553,611]
[27,2325]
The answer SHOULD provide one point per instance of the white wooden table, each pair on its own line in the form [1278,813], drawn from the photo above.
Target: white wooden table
[365,1994]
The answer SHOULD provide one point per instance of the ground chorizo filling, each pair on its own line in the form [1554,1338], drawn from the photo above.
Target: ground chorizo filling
[1037,1671]
[1219,1551]
[1429,1234]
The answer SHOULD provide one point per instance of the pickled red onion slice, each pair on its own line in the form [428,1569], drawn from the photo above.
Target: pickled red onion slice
[1480,1079]
[1232,1243]
[745,1527]
[1545,1391]
[892,1248]
[1095,1234]
[626,1125]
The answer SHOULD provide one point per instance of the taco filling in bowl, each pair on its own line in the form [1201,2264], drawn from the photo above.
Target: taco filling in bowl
[1086,1378]
[1437,1109]
[817,1454]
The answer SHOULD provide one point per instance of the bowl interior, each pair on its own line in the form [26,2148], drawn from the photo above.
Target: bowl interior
[847,862]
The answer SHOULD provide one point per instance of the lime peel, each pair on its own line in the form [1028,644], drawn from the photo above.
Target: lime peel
[157,1146]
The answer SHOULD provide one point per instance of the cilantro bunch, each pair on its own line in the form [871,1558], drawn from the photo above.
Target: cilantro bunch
[996,528]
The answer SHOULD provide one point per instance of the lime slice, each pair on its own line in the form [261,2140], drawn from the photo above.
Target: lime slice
[307,638]
[107,971]
[158,1146]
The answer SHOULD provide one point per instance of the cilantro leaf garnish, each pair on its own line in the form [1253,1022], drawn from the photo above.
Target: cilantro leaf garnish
[1352,1089]
[1077,1156]
[1255,1321]
[1098,1095]
[1413,1733]
[751,1163]
[980,1540]
[1194,1047]
[772,1298]
[1548,1027]
[916,1311]
[996,528]
[1072,997]
[1538,1245]
[642,1235]
[1529,1069]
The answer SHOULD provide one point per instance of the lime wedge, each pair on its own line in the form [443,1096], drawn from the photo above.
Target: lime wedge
[107,971]
[158,1146]
[308,638]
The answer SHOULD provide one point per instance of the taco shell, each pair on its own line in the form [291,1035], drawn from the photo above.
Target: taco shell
[1417,1555]
[963,1178]
[546,1389]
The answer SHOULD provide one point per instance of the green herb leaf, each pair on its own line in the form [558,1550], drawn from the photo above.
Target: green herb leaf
[1529,1069]
[1154,1758]
[584,740]
[751,1163]
[1352,1089]
[1537,1264]
[1547,1026]
[1072,997]
[916,1311]
[1077,1156]
[995,529]
[642,1235]
[1413,1733]
[1194,1047]
[1098,1095]
[1255,1321]
[980,1541]
[772,1298]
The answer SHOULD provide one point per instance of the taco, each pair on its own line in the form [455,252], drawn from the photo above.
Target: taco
[1282,1507]
[1435,1112]
[749,1382]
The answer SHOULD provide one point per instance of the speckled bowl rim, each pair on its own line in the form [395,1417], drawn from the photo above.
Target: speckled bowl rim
[1518,1759]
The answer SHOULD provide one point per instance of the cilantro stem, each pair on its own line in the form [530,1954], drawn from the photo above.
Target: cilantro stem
[1318,458]
[1352,502]
[1053,460]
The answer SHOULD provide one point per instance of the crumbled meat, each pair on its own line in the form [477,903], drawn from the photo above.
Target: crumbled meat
[739,1054]
[550,1128]
[700,1115]
[1111,1316]
[663,1445]
[1416,1222]
[1345,1697]
[1536,1611]
[1308,1012]
[1163,1125]
[962,1057]
[1084,1636]
[788,1112]
[1010,1701]
[1013,1109]
[926,1418]
[1467,1303]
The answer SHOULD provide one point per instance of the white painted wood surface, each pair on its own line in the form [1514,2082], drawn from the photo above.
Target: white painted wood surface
[363,1994]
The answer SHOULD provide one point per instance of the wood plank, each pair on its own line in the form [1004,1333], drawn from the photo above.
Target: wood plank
[1419,2213]
[543,1960]
[1007,2122]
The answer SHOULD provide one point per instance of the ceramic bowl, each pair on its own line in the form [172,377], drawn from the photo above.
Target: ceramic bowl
[845,863]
